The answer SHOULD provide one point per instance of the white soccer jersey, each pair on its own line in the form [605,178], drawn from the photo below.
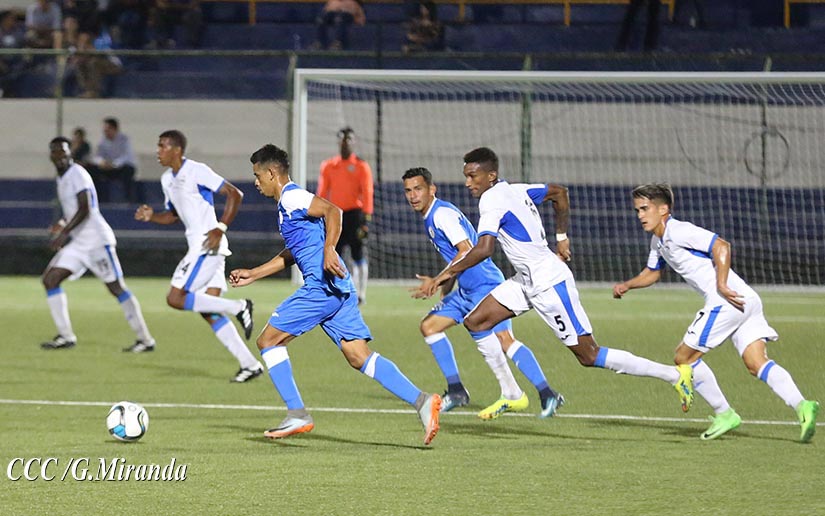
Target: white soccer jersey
[190,194]
[687,249]
[509,213]
[94,231]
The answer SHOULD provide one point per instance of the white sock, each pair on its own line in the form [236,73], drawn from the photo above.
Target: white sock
[490,349]
[362,274]
[59,307]
[781,382]
[704,381]
[231,339]
[134,316]
[627,363]
[208,304]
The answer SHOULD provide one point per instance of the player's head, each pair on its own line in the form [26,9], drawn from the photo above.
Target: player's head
[60,152]
[346,141]
[480,170]
[110,127]
[171,146]
[419,188]
[652,203]
[270,165]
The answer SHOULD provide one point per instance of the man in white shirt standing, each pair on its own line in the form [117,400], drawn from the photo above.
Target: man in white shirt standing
[83,241]
[732,308]
[199,279]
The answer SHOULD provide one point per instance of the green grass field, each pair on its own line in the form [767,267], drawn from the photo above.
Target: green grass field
[620,445]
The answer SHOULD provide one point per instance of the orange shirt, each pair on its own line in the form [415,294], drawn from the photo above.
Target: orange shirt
[346,183]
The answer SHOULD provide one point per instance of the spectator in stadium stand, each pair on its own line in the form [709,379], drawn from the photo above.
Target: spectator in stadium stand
[425,33]
[43,25]
[338,14]
[128,19]
[81,148]
[79,16]
[651,31]
[11,36]
[91,70]
[346,181]
[114,160]
[169,14]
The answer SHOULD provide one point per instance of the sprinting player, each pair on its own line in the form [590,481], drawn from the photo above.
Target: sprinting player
[542,281]
[83,240]
[732,308]
[346,181]
[453,236]
[198,281]
[310,227]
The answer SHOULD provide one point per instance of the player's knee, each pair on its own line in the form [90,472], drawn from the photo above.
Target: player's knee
[427,328]
[474,323]
[174,300]
[49,282]
[586,351]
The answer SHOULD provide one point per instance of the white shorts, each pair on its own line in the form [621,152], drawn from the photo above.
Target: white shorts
[558,306]
[198,271]
[102,261]
[713,325]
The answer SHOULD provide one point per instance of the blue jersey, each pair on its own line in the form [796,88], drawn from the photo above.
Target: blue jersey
[304,236]
[447,226]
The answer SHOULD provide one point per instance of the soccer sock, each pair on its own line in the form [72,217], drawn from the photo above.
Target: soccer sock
[490,348]
[226,332]
[704,381]
[277,361]
[206,304]
[134,316]
[781,382]
[386,373]
[526,362]
[627,363]
[445,358]
[59,307]
[362,269]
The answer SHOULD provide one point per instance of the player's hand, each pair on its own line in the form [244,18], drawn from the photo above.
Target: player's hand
[619,289]
[144,213]
[332,263]
[363,232]
[732,297]
[420,292]
[59,241]
[240,277]
[212,241]
[563,250]
[57,227]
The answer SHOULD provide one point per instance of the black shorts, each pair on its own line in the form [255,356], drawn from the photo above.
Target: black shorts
[351,223]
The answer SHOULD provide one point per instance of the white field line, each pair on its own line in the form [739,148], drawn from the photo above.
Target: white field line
[346,410]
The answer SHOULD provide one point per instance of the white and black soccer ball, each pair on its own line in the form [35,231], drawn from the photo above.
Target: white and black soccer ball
[127,421]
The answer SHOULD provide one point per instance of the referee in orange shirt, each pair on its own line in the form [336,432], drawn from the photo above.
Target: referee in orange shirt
[346,181]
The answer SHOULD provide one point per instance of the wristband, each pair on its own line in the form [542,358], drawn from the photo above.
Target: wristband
[561,237]
[222,227]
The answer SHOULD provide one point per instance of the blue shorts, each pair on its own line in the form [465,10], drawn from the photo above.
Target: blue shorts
[458,303]
[338,315]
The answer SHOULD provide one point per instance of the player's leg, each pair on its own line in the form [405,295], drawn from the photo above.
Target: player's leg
[525,360]
[53,277]
[347,329]
[432,328]
[187,292]
[272,344]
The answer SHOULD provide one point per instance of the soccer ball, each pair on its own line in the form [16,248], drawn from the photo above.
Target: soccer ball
[127,421]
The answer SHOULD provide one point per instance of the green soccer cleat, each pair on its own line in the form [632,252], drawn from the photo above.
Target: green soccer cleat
[807,411]
[685,386]
[722,424]
[504,405]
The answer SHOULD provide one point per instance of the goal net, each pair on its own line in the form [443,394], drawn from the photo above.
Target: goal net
[745,154]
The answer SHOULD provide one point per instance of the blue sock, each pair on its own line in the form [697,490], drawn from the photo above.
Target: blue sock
[390,377]
[280,371]
[442,350]
[526,362]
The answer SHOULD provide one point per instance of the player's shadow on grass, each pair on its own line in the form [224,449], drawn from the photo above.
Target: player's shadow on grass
[498,430]
[303,440]
[176,371]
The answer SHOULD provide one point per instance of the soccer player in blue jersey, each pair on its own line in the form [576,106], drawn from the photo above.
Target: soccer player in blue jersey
[453,236]
[543,281]
[732,308]
[310,227]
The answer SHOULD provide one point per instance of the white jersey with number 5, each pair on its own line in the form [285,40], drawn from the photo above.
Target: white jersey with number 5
[508,212]
[190,193]
[94,231]
[687,248]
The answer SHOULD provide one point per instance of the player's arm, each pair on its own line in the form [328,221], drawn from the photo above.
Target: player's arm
[146,213]
[243,277]
[644,279]
[332,221]
[234,197]
[62,235]
[422,290]
[721,262]
[480,252]
[558,195]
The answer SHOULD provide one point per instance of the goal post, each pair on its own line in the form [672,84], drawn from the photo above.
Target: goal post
[744,152]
